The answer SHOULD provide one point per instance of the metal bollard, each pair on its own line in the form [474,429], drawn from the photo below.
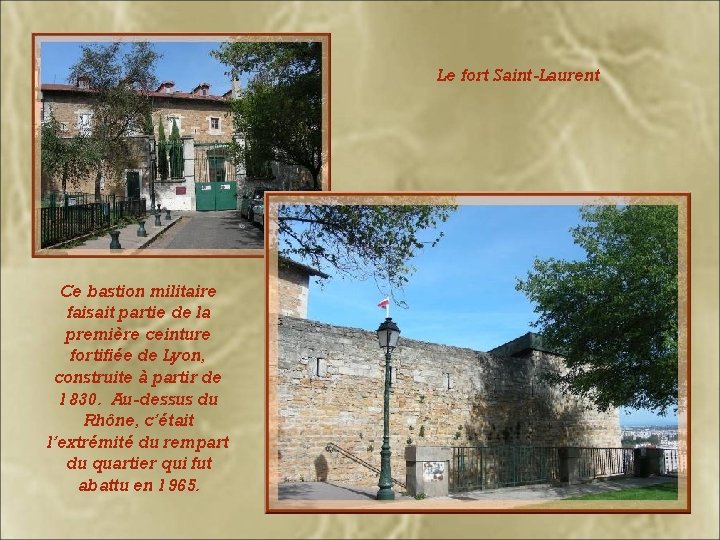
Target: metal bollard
[141,229]
[115,240]
[157,220]
[167,215]
[158,208]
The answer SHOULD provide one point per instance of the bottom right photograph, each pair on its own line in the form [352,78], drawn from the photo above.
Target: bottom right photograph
[477,353]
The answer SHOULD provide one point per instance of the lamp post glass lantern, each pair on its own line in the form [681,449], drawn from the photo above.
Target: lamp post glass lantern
[388,336]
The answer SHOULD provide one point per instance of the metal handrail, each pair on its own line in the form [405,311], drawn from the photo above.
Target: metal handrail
[332,447]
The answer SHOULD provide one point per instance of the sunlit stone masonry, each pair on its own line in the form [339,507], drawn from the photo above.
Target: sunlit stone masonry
[330,390]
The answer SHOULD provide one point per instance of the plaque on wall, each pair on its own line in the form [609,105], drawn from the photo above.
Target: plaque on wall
[433,471]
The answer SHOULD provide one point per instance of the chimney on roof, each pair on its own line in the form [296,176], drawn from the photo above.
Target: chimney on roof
[202,89]
[166,87]
[236,88]
[83,82]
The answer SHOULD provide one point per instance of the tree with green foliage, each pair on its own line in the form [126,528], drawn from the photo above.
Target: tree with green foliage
[614,315]
[280,112]
[119,85]
[360,242]
[162,152]
[629,441]
[148,128]
[68,158]
[176,152]
[257,158]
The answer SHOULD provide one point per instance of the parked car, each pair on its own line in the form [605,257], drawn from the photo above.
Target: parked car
[250,198]
[258,213]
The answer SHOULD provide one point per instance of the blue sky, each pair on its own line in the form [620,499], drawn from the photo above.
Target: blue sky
[187,63]
[463,292]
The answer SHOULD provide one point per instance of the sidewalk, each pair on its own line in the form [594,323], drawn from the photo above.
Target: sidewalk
[129,240]
[548,492]
[328,491]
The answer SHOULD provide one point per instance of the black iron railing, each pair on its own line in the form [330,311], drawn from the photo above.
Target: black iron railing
[64,223]
[674,464]
[124,208]
[489,467]
[605,462]
[60,224]
[332,447]
[475,468]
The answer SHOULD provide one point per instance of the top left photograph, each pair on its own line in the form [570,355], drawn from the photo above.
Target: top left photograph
[163,145]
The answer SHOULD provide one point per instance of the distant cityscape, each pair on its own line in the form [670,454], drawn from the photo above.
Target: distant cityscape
[659,436]
[665,437]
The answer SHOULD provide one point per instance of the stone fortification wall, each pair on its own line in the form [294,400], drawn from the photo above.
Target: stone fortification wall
[293,291]
[330,390]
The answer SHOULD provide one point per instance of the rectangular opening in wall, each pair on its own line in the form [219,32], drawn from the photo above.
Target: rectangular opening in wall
[320,367]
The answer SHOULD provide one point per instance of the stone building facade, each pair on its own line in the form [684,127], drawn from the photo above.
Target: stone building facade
[206,128]
[330,390]
[199,114]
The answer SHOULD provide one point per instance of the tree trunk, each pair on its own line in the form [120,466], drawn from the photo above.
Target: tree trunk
[317,183]
[64,179]
[98,179]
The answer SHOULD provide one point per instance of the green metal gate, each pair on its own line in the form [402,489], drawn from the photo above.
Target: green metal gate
[215,196]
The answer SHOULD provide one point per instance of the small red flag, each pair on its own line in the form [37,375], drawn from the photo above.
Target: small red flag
[384,303]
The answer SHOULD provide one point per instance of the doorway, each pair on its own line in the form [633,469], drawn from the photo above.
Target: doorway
[132,181]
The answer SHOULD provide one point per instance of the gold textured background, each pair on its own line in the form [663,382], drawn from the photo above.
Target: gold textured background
[650,125]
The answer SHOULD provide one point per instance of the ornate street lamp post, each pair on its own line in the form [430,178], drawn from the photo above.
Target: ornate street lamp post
[153,168]
[388,336]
